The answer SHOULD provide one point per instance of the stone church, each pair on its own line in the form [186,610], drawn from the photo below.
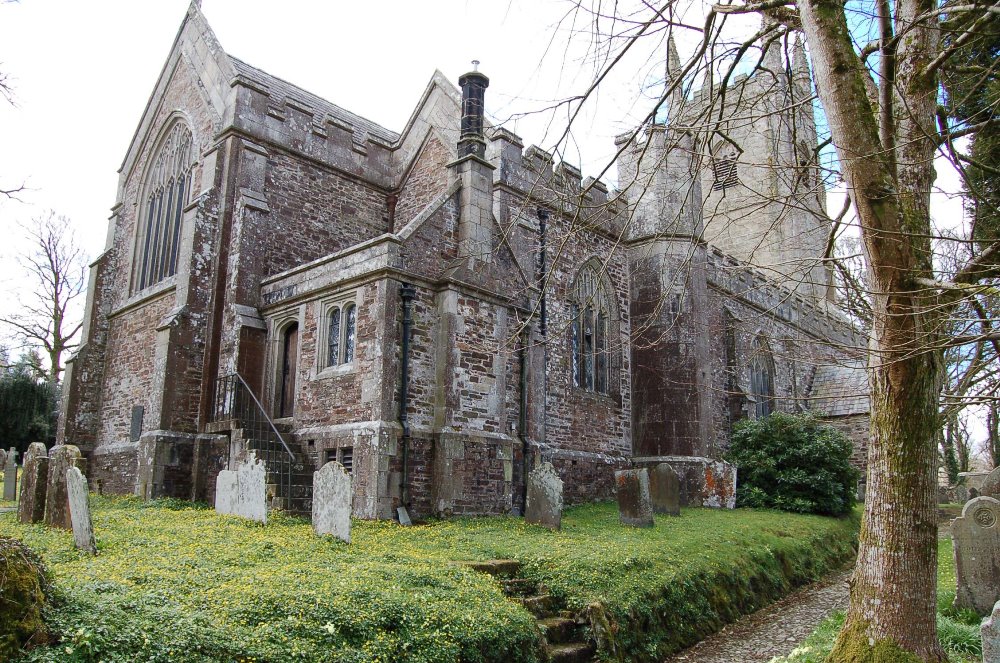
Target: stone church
[440,308]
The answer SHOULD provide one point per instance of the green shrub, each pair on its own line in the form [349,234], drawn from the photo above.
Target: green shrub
[793,463]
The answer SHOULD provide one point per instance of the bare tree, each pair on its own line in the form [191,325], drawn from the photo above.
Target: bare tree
[56,268]
[880,95]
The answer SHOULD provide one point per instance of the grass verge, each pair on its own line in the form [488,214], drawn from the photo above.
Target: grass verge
[177,582]
[958,630]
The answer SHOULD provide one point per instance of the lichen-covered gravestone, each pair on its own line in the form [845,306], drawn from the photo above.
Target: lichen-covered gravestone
[331,501]
[545,497]
[10,476]
[3,458]
[61,458]
[665,490]
[990,632]
[634,505]
[79,510]
[34,481]
[976,536]
[991,485]
[243,492]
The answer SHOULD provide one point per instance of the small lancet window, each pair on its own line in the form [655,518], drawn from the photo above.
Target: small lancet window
[333,338]
[341,324]
[349,328]
[167,190]
[761,381]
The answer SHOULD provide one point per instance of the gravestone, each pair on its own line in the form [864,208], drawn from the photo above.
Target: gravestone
[3,457]
[545,497]
[991,485]
[243,492]
[61,458]
[331,501]
[634,506]
[990,632]
[79,509]
[10,476]
[665,490]
[34,481]
[976,535]
[961,494]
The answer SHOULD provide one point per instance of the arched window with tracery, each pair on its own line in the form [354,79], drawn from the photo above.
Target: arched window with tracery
[761,380]
[342,322]
[167,188]
[593,316]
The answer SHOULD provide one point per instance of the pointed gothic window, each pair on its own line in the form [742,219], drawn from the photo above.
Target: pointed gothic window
[761,380]
[333,339]
[724,167]
[592,312]
[340,331]
[166,192]
[350,315]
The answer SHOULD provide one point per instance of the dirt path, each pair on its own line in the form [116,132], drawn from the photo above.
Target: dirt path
[774,630]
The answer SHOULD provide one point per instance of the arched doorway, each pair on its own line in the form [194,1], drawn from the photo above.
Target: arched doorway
[289,356]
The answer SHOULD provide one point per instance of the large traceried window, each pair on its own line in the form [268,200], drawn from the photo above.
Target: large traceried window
[593,311]
[761,380]
[166,193]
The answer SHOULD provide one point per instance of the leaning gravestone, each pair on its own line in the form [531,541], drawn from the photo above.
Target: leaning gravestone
[991,485]
[34,481]
[990,633]
[665,490]
[976,535]
[243,492]
[634,505]
[10,476]
[61,458]
[331,501]
[79,510]
[545,497]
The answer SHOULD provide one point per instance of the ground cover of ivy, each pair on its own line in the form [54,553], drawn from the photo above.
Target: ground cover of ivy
[958,630]
[176,582]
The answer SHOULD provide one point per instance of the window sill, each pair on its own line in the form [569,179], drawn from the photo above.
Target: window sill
[143,296]
[336,371]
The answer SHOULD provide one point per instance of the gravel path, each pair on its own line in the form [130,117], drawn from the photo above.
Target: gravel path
[774,630]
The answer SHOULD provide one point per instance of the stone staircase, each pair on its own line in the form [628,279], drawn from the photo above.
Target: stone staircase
[564,634]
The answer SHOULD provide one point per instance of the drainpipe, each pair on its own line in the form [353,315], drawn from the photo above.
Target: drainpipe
[407,293]
[543,217]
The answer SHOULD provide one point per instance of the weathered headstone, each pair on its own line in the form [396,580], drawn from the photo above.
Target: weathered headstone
[3,457]
[961,494]
[991,485]
[61,458]
[79,509]
[34,481]
[976,535]
[634,505]
[990,633]
[331,501]
[545,497]
[243,492]
[10,476]
[665,490]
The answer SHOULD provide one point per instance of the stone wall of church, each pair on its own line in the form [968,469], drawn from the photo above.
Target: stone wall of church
[427,178]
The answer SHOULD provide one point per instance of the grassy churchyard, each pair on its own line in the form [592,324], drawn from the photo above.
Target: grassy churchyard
[176,582]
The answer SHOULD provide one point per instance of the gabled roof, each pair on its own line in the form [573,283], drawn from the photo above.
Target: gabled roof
[840,390]
[282,89]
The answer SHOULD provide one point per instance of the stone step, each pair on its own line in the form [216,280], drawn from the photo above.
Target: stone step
[498,568]
[519,587]
[540,606]
[558,630]
[572,652]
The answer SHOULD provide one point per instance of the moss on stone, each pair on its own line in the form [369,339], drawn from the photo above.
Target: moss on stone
[22,595]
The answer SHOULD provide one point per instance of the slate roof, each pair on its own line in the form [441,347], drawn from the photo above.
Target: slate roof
[280,90]
[840,390]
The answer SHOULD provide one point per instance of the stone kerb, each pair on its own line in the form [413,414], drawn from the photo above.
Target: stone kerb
[79,509]
[545,497]
[976,536]
[243,492]
[990,633]
[331,501]
[10,476]
[34,481]
[61,458]
[991,484]
[665,490]
[634,505]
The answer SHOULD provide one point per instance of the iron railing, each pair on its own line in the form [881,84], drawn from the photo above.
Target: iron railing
[233,399]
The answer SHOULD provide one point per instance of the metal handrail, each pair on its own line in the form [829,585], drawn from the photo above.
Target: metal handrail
[261,409]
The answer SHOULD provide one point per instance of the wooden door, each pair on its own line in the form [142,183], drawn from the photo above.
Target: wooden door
[289,357]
